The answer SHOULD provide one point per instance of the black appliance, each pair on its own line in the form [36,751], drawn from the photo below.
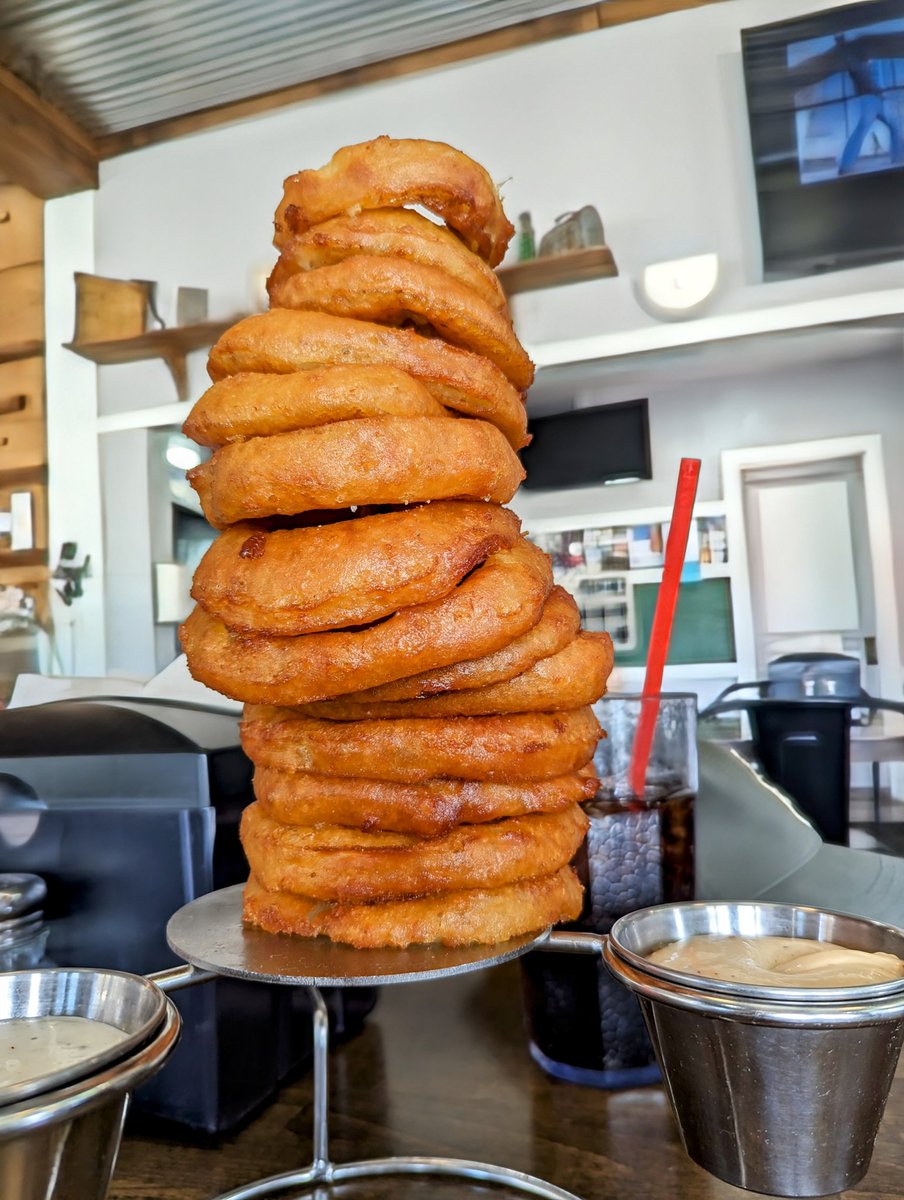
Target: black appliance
[129,809]
[795,676]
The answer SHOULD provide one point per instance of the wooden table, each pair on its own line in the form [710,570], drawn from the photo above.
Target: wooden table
[873,744]
[443,1068]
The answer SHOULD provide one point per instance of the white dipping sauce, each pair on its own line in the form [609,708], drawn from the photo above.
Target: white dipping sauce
[778,961]
[34,1046]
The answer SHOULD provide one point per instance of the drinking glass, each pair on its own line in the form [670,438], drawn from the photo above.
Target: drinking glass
[583,1025]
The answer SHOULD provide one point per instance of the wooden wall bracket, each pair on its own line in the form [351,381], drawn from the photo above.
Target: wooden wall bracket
[171,345]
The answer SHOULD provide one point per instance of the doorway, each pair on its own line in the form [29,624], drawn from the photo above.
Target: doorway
[827,529]
[870,537]
[809,562]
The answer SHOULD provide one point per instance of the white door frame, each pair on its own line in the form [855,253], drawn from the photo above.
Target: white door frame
[866,448]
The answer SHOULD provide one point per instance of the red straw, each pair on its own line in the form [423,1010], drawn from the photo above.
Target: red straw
[663,619]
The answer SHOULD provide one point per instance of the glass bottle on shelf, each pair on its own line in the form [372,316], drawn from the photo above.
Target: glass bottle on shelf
[527,246]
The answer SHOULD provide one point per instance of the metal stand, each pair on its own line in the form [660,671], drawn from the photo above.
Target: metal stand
[209,935]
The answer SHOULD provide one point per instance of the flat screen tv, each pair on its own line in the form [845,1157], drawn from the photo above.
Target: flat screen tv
[609,443]
[825,97]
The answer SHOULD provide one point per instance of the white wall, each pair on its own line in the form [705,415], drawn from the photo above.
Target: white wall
[72,452]
[645,120]
[761,404]
[702,414]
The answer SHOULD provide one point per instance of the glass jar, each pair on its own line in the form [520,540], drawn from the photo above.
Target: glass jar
[23,934]
[584,1026]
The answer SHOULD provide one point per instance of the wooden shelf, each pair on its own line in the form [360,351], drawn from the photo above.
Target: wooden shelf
[596,262]
[172,345]
[20,350]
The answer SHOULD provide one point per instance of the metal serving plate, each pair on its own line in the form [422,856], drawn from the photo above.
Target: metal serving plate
[208,933]
[128,1002]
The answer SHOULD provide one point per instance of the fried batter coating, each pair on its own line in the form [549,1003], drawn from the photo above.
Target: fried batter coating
[570,679]
[397,233]
[292,581]
[476,916]
[508,749]
[285,340]
[334,862]
[374,460]
[558,625]
[396,172]
[426,809]
[249,405]
[393,291]
[496,602]
[387,375]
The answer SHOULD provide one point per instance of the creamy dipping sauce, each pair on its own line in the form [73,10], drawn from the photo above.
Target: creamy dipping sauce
[778,961]
[34,1046]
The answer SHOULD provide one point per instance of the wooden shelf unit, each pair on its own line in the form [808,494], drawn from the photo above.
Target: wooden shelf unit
[172,345]
[554,270]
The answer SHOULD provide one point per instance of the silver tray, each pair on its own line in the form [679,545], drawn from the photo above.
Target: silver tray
[208,933]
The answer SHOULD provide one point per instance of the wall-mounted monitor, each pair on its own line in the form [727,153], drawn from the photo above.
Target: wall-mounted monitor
[825,95]
[609,443]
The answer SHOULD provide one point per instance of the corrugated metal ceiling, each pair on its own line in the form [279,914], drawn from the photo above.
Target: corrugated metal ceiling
[113,65]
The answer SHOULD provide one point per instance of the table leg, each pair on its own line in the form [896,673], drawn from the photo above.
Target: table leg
[876,792]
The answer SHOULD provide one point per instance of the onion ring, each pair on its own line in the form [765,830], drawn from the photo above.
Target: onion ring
[392,173]
[333,862]
[285,340]
[249,405]
[425,809]
[393,291]
[495,603]
[509,749]
[559,623]
[293,581]
[570,679]
[478,915]
[398,233]
[374,460]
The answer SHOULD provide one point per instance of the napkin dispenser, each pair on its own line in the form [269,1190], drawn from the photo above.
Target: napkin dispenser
[129,809]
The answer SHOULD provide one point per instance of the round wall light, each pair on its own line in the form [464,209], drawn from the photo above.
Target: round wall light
[182,457]
[679,287]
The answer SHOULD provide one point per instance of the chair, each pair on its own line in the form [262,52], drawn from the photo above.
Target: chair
[806,747]
[824,675]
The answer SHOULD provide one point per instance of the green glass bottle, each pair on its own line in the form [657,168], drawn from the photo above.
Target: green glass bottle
[527,247]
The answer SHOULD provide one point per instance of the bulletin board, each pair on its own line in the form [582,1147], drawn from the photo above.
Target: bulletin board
[704,625]
[612,565]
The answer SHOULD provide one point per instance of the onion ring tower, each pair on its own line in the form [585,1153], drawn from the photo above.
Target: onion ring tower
[418,694]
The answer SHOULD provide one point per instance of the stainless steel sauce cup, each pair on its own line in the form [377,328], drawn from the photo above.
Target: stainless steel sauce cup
[61,1144]
[127,1002]
[777,1090]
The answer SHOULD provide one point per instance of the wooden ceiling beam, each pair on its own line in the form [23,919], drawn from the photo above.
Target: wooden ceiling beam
[580,20]
[620,12]
[42,149]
